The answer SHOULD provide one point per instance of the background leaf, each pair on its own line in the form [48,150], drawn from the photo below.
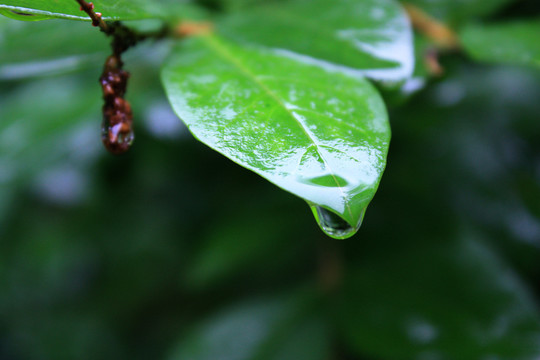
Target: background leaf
[276,328]
[459,278]
[23,54]
[56,134]
[325,135]
[371,36]
[222,255]
[512,43]
[457,12]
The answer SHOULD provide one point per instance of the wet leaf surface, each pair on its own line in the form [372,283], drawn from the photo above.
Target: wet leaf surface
[320,135]
[371,38]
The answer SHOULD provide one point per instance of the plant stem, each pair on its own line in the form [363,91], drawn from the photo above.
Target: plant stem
[96,17]
[438,32]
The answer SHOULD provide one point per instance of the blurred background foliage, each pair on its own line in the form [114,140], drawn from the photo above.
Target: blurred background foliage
[174,252]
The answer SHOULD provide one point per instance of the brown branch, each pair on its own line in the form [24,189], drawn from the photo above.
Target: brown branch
[123,36]
[431,61]
[436,31]
[95,16]
[117,127]
[193,28]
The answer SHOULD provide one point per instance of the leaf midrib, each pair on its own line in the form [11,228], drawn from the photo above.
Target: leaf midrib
[221,50]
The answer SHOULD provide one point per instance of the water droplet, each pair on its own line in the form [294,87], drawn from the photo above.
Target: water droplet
[118,137]
[333,225]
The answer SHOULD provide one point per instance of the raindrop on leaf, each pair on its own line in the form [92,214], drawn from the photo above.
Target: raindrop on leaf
[333,225]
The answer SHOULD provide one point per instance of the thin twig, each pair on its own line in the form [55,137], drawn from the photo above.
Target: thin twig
[192,28]
[438,32]
[95,16]
[117,128]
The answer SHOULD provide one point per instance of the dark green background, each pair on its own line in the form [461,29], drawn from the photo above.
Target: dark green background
[174,252]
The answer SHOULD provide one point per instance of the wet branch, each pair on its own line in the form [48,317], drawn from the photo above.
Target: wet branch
[96,17]
[123,36]
[117,126]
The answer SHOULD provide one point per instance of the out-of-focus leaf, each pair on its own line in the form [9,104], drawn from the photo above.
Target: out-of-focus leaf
[490,112]
[445,301]
[69,9]
[321,135]
[473,140]
[62,335]
[511,43]
[457,12]
[372,37]
[45,123]
[225,253]
[283,328]
[69,46]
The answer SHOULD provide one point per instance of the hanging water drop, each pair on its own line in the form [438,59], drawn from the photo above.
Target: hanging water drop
[333,225]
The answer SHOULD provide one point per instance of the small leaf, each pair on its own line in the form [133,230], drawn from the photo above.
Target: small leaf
[278,328]
[372,37]
[44,121]
[318,134]
[69,9]
[224,253]
[23,54]
[511,43]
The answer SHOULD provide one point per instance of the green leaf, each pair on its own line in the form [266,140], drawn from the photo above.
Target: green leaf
[13,14]
[277,328]
[512,43]
[439,299]
[457,12]
[318,134]
[370,36]
[23,54]
[228,250]
[45,122]
[69,9]
[233,5]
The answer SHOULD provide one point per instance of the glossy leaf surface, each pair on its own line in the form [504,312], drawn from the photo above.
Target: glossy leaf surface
[512,43]
[371,36]
[320,135]
[69,9]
